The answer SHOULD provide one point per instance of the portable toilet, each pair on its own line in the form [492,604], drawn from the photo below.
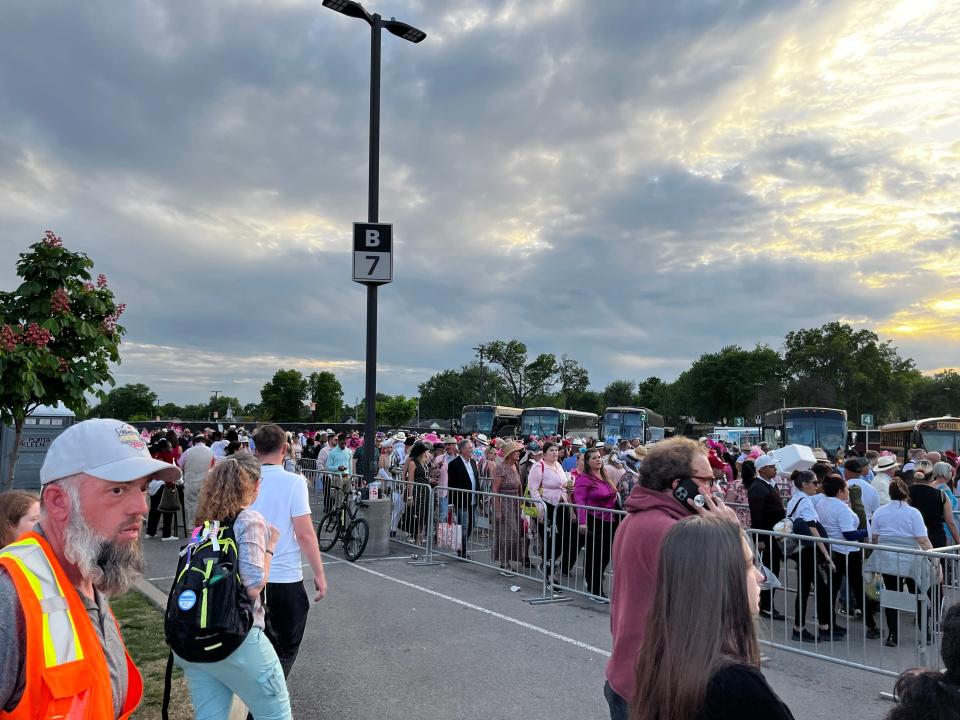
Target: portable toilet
[39,429]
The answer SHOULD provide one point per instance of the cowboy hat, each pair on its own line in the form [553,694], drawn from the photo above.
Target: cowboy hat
[510,447]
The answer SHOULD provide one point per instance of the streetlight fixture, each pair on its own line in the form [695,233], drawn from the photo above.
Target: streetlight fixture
[405,31]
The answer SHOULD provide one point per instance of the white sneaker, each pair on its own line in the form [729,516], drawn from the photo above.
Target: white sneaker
[149,537]
[172,537]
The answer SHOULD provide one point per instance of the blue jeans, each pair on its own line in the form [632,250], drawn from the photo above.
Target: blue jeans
[252,672]
[466,517]
[619,709]
[444,508]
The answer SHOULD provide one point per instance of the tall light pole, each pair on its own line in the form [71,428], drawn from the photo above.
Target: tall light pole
[216,396]
[354,9]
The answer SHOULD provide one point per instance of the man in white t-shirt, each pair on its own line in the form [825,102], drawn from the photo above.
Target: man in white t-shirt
[854,470]
[284,502]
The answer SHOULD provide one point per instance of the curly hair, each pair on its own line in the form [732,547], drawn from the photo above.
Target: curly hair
[228,488]
[14,505]
[669,460]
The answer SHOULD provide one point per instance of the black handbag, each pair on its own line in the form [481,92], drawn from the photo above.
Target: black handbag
[169,500]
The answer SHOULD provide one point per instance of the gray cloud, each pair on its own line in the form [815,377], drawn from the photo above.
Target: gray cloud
[563,172]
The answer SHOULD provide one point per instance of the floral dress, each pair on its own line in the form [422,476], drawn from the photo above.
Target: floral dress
[507,527]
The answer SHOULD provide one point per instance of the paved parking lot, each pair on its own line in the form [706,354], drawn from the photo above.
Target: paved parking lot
[454,641]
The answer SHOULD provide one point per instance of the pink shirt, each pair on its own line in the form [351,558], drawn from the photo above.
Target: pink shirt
[547,483]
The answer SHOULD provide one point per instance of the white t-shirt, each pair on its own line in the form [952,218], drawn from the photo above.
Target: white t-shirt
[870,497]
[219,448]
[283,496]
[899,520]
[881,483]
[837,518]
[801,507]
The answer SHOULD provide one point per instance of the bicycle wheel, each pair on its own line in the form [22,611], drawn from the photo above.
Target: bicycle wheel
[328,531]
[356,539]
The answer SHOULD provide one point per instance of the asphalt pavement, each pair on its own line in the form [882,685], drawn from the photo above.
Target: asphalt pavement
[455,641]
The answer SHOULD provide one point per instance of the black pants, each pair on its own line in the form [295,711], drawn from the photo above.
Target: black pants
[286,618]
[808,576]
[850,566]
[892,582]
[153,517]
[771,556]
[567,542]
[598,550]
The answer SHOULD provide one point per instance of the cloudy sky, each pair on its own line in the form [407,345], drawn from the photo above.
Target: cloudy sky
[630,182]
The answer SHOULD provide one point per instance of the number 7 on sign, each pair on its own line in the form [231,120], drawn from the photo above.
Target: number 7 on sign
[373,265]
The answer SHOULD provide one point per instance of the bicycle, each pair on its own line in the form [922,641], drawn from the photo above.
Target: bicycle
[334,526]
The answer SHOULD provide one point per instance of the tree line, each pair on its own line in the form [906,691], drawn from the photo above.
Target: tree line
[830,366]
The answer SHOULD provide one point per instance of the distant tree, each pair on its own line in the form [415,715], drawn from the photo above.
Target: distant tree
[396,411]
[127,402]
[325,390]
[867,375]
[618,392]
[573,379]
[523,378]
[58,336]
[936,395]
[281,399]
[585,401]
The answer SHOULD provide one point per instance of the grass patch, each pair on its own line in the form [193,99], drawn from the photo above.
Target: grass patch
[142,626]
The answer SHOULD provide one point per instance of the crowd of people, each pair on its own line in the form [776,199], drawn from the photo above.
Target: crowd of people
[671,518]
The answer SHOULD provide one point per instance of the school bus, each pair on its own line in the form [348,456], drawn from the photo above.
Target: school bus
[940,434]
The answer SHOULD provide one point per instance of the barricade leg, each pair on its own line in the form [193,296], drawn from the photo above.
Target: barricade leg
[548,533]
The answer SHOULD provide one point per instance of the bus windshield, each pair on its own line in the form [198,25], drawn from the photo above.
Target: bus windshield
[623,425]
[539,423]
[480,420]
[939,440]
[822,433]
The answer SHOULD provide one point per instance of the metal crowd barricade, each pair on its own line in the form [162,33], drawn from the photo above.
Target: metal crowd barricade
[892,587]
[582,554]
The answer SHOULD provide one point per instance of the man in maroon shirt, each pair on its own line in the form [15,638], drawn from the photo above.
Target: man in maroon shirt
[652,510]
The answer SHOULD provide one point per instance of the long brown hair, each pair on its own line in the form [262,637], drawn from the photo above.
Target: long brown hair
[228,488]
[14,505]
[603,472]
[700,619]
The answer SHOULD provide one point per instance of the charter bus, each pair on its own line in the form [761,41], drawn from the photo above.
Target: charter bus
[632,422]
[824,428]
[739,436]
[490,420]
[542,421]
[939,434]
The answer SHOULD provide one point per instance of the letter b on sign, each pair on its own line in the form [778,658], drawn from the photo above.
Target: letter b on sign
[373,238]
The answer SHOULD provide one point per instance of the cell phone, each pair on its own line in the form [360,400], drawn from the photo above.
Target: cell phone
[687,489]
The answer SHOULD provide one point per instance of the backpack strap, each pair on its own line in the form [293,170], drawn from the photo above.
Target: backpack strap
[167,680]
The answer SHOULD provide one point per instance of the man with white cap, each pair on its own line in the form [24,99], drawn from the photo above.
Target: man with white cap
[55,618]
[766,510]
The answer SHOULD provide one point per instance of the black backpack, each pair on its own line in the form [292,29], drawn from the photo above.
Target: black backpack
[208,610]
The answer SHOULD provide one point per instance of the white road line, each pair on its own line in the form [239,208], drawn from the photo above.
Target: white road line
[485,611]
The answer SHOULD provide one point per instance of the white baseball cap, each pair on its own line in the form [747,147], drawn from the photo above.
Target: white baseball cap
[106,449]
[765,461]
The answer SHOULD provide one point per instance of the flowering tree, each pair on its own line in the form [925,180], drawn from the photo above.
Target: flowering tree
[58,334]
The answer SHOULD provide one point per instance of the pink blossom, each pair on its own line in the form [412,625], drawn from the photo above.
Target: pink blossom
[50,239]
[101,280]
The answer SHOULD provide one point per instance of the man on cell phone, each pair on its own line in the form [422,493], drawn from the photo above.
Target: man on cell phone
[673,475]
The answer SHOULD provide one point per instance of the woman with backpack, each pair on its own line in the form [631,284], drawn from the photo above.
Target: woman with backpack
[252,671]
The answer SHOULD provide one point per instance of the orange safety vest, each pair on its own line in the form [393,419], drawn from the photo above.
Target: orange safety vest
[67,676]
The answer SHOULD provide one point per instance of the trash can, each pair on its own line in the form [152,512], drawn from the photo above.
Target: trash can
[39,430]
[377,515]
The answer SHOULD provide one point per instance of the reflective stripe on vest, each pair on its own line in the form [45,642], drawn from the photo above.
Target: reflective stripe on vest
[61,644]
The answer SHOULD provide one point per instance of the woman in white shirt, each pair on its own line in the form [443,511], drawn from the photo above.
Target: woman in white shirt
[550,486]
[808,558]
[891,522]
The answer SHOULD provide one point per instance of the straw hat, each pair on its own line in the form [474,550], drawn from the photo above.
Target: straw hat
[510,448]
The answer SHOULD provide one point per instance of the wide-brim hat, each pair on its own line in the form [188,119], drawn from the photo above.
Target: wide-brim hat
[886,462]
[820,455]
[400,436]
[510,447]
[481,438]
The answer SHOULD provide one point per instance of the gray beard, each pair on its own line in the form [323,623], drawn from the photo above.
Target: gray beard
[112,567]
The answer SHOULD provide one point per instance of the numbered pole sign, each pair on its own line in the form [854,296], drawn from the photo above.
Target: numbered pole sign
[372,253]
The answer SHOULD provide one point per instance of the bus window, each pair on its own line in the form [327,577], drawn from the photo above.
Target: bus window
[939,440]
[539,424]
[480,420]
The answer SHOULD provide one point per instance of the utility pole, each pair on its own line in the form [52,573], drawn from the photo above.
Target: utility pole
[216,396]
[479,350]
